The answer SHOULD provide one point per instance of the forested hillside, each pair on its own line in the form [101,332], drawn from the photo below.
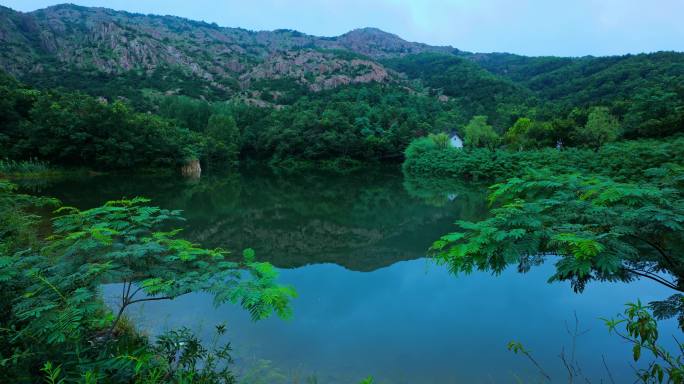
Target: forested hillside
[228,92]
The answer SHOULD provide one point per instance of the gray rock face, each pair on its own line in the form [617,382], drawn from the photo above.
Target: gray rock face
[191,169]
[72,37]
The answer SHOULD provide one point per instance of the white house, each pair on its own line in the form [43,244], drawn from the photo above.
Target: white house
[455,141]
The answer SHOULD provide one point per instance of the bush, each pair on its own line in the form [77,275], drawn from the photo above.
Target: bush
[625,161]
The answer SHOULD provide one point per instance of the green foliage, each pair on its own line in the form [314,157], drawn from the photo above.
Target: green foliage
[530,134]
[638,327]
[635,87]
[479,134]
[626,161]
[178,356]
[123,238]
[17,219]
[516,136]
[655,112]
[24,167]
[52,314]
[441,140]
[223,140]
[360,122]
[188,112]
[74,129]
[599,229]
[474,90]
[601,128]
[363,122]
[420,146]
[132,85]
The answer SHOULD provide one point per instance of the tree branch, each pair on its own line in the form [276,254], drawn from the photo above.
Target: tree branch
[662,252]
[654,277]
[151,299]
[610,375]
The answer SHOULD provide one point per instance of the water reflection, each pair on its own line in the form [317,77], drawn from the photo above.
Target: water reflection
[368,304]
[362,221]
[413,322]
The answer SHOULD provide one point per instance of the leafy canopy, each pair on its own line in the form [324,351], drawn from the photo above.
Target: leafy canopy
[52,310]
[601,128]
[124,237]
[479,134]
[598,228]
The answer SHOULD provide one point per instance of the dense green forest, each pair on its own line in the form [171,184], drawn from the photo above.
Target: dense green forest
[363,122]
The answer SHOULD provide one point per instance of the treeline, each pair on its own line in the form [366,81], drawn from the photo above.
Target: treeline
[625,161]
[75,129]
[643,92]
[371,122]
[505,101]
[474,90]
[363,122]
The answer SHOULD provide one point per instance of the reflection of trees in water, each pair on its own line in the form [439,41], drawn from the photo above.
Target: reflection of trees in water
[442,192]
[362,220]
[316,240]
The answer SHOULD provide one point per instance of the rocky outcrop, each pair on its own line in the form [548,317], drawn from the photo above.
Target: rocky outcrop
[376,43]
[317,70]
[68,37]
[191,169]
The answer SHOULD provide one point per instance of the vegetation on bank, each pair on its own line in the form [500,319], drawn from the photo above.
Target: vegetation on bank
[119,126]
[607,211]
[594,228]
[111,129]
[54,324]
[625,160]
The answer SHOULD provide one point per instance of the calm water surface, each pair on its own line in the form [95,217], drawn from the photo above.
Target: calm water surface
[369,303]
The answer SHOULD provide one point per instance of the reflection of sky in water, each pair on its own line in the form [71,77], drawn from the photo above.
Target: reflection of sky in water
[412,322]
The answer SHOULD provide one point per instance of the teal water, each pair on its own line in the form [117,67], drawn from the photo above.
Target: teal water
[353,246]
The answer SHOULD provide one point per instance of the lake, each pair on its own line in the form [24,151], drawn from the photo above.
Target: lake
[353,245]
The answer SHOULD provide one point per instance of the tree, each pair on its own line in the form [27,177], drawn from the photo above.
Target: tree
[641,331]
[53,311]
[601,128]
[601,229]
[541,134]
[223,139]
[441,140]
[419,147]
[480,134]
[516,136]
[655,112]
[122,235]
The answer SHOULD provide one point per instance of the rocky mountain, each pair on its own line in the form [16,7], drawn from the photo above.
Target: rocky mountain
[68,38]
[114,53]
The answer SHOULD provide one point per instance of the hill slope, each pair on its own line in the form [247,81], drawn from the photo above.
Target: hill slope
[119,54]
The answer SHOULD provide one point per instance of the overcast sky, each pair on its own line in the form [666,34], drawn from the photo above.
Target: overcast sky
[530,27]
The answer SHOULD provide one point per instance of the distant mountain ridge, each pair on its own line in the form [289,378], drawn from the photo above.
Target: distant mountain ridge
[82,48]
[74,37]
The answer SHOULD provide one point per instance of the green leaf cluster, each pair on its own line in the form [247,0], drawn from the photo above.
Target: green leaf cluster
[53,317]
[593,227]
